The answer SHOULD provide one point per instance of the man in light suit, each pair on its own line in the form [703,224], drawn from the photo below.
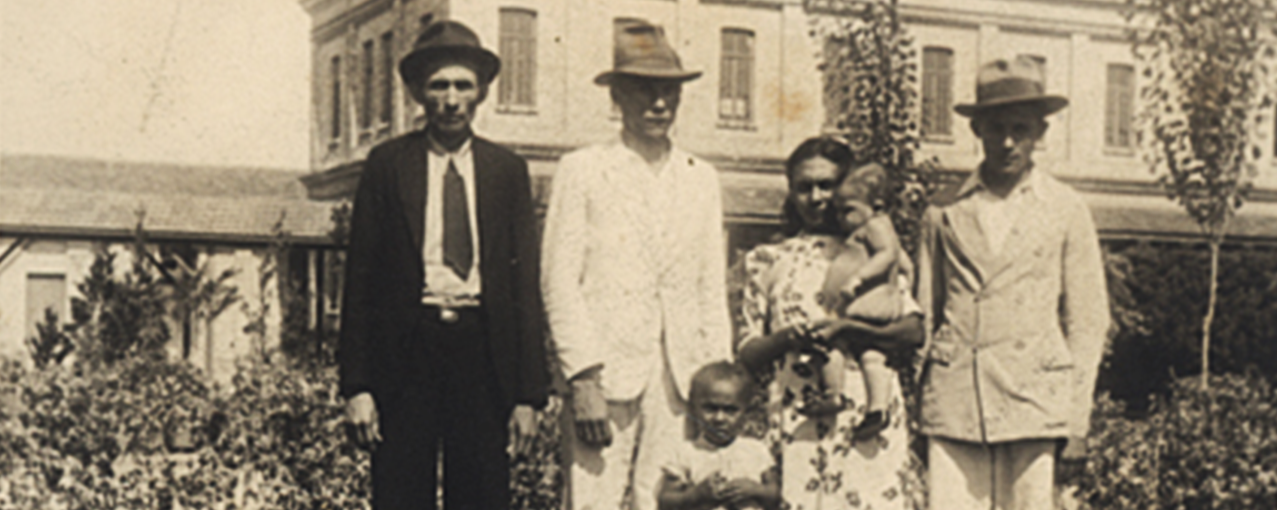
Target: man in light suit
[1011,276]
[634,281]
[442,325]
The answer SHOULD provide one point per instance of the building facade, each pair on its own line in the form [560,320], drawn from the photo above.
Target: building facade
[58,212]
[761,93]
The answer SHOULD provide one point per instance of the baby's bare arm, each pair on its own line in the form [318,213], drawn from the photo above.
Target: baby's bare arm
[884,248]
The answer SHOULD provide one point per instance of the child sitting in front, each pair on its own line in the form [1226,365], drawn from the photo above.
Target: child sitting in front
[719,469]
[866,281]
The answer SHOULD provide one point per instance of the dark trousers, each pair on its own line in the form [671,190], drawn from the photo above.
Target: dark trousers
[448,403]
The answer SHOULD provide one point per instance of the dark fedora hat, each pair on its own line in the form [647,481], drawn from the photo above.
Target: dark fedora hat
[1004,82]
[452,40]
[641,50]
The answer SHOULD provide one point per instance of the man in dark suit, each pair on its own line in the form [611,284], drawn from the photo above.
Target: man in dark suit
[442,326]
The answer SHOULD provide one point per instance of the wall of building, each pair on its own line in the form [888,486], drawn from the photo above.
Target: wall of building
[216,344]
[1078,39]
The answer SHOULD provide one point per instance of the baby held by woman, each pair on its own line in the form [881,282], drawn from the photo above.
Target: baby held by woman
[868,280]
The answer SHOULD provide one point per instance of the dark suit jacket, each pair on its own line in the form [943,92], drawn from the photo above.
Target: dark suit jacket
[385,273]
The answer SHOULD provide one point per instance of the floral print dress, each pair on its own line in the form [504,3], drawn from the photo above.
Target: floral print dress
[822,467]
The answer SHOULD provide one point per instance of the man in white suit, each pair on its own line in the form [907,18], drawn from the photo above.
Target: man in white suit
[633,278]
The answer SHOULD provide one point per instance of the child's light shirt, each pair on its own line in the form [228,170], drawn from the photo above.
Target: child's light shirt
[695,461]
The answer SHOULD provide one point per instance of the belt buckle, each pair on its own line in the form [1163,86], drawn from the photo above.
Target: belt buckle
[448,315]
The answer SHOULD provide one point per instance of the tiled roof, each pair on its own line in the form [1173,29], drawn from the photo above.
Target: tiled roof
[52,195]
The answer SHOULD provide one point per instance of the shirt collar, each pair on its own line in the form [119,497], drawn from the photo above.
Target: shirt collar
[1028,184]
[437,149]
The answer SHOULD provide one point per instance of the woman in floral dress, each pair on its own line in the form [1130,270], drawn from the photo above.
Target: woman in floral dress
[823,468]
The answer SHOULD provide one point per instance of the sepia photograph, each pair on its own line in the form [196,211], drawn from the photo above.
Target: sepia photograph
[638,254]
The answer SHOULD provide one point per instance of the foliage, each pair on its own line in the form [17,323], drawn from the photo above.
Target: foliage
[536,478]
[1159,291]
[1206,63]
[118,316]
[1207,77]
[194,293]
[1200,448]
[870,86]
[51,344]
[268,269]
[284,438]
[84,439]
[275,439]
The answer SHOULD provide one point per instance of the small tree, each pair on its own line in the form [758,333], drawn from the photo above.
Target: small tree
[51,344]
[195,294]
[1207,88]
[118,316]
[871,98]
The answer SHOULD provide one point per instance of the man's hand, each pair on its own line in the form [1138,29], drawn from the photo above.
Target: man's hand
[361,413]
[590,409]
[523,423]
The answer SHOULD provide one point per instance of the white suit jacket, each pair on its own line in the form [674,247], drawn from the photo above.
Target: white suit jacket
[633,267]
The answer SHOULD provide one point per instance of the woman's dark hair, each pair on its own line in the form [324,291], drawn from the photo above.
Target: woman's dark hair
[826,147]
[832,149]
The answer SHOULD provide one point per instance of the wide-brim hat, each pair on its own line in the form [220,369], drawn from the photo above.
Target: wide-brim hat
[1005,82]
[451,40]
[640,49]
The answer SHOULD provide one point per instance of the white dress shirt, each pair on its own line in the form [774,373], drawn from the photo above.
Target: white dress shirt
[998,214]
[443,286]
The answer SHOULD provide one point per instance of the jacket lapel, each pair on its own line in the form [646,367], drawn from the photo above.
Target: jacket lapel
[412,189]
[966,229]
[629,189]
[485,182]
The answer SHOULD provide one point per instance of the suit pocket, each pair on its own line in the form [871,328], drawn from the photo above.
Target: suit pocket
[1057,356]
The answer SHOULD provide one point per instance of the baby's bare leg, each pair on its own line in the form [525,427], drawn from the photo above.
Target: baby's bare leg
[877,379]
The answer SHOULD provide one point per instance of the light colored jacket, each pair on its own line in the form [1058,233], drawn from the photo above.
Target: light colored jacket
[1014,338]
[629,262]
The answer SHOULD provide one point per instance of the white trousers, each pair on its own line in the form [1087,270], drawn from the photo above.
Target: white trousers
[640,428]
[1019,475]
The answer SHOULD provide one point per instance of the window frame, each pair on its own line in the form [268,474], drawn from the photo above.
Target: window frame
[929,78]
[737,77]
[1115,116]
[386,115]
[517,47]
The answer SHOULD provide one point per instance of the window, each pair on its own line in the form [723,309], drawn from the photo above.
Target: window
[45,292]
[518,59]
[335,117]
[736,80]
[937,87]
[1118,107]
[366,104]
[387,77]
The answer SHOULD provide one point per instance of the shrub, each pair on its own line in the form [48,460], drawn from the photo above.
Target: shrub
[1214,448]
[114,437]
[1163,288]
[284,440]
